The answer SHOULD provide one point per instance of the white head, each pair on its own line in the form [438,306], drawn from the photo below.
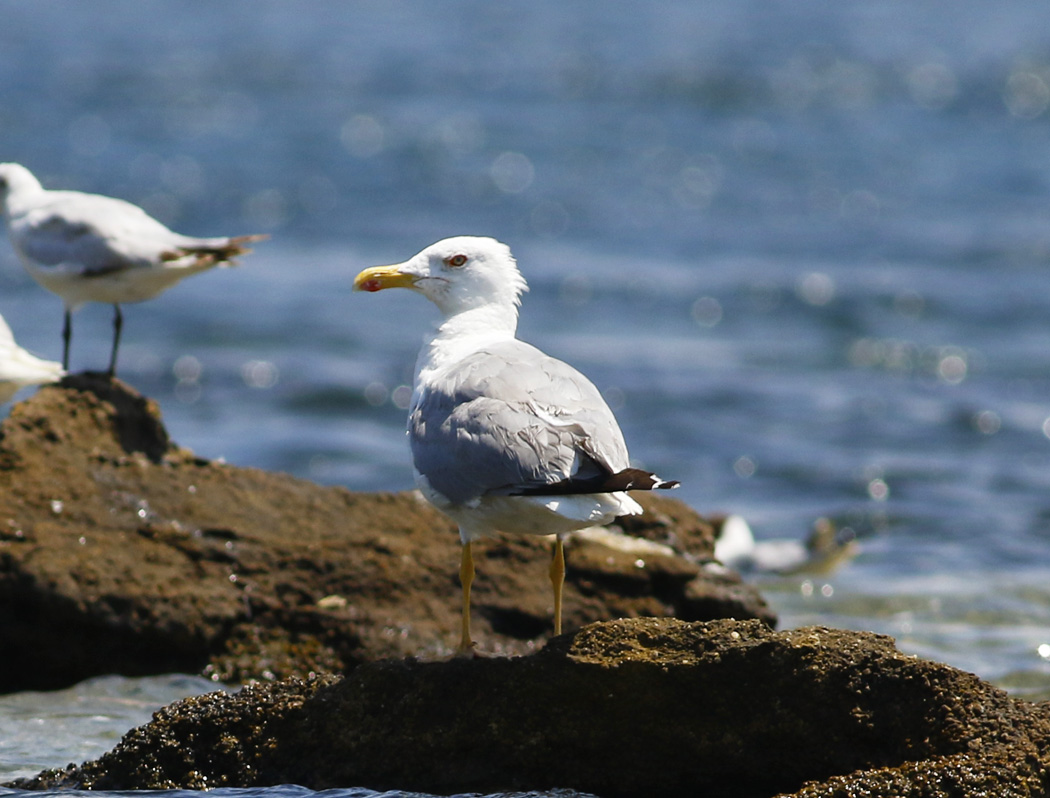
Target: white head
[16,179]
[456,274]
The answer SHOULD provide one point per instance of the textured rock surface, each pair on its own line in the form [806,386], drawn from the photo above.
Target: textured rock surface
[644,707]
[123,553]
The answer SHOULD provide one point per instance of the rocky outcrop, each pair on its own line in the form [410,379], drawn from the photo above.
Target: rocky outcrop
[643,707]
[122,553]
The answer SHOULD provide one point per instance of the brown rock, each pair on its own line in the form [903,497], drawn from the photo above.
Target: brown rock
[643,707]
[123,553]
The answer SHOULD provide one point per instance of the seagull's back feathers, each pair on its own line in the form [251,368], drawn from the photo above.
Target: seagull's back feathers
[105,234]
[504,436]
[508,419]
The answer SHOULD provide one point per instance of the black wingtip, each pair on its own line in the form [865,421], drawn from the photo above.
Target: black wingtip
[628,479]
[637,479]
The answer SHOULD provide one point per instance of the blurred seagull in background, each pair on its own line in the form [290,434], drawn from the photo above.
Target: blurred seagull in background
[90,248]
[825,549]
[504,437]
[19,369]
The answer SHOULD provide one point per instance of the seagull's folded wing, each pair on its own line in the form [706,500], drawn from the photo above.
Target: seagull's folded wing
[98,234]
[508,420]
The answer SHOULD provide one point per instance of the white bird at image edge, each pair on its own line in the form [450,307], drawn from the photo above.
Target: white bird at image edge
[19,369]
[504,437]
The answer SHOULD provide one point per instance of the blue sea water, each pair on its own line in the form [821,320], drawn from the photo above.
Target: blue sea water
[801,248]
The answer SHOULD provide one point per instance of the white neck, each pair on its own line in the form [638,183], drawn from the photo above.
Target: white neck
[459,335]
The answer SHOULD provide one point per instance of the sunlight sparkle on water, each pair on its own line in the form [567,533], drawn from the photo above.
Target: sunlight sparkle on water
[376,393]
[807,589]
[816,289]
[878,490]
[259,374]
[707,311]
[401,397]
[745,467]
[952,368]
[988,422]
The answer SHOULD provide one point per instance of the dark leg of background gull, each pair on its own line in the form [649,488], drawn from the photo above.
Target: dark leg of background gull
[118,325]
[67,333]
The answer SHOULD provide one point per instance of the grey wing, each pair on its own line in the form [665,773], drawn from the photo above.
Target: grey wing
[101,234]
[511,419]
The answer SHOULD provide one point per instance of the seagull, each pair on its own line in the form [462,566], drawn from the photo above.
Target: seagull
[504,437]
[91,248]
[826,548]
[19,369]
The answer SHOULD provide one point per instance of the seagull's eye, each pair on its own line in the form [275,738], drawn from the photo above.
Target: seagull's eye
[456,260]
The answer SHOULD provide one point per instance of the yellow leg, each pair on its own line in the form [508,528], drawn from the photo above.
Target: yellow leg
[557,574]
[466,578]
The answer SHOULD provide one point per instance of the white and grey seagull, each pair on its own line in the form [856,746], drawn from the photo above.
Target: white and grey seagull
[91,248]
[20,369]
[504,437]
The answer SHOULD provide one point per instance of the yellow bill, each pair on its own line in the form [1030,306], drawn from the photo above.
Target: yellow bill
[379,277]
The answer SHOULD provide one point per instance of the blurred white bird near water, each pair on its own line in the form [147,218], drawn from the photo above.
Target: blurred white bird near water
[824,550]
[20,369]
